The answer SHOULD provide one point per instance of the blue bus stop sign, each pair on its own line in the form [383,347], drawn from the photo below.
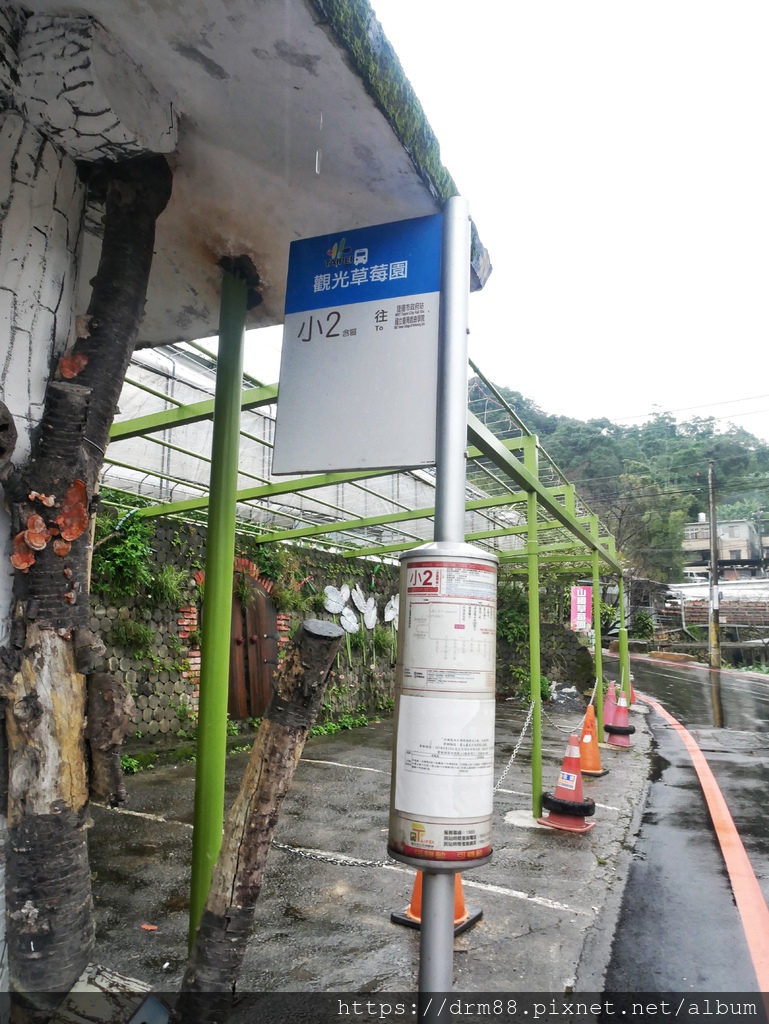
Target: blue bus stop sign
[358,377]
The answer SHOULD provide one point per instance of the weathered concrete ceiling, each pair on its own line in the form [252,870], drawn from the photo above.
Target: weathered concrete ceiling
[280,137]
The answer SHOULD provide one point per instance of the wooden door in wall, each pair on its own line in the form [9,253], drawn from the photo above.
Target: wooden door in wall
[253,649]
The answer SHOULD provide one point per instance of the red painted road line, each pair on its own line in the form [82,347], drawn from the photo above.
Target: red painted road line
[751,904]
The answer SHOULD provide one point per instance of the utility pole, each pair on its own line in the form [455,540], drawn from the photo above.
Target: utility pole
[714,633]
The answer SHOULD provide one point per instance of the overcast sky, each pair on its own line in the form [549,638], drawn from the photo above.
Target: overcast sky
[616,161]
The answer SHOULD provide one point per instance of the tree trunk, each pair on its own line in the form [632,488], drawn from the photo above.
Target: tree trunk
[50,915]
[220,945]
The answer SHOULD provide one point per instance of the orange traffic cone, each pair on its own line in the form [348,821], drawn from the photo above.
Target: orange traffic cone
[567,806]
[589,754]
[619,731]
[610,705]
[464,917]
[632,691]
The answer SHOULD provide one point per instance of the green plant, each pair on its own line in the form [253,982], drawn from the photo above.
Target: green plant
[196,635]
[129,765]
[512,614]
[174,644]
[353,719]
[522,683]
[643,625]
[358,640]
[382,639]
[244,590]
[122,551]
[520,674]
[326,729]
[287,596]
[272,560]
[133,635]
[233,728]
[610,617]
[184,712]
[165,587]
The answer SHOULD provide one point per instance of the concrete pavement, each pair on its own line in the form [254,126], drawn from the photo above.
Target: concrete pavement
[550,899]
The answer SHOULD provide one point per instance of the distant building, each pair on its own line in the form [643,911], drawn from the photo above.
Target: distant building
[741,553]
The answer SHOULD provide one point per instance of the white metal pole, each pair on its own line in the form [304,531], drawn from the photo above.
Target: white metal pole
[451,439]
[436,948]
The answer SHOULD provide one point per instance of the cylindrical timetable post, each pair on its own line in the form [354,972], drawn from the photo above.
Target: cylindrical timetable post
[442,789]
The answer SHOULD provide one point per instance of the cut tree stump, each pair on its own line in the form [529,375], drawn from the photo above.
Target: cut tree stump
[214,965]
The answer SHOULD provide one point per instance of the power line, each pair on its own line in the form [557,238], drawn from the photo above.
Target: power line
[704,405]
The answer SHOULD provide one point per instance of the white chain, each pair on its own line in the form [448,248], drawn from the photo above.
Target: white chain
[560,728]
[517,746]
[582,723]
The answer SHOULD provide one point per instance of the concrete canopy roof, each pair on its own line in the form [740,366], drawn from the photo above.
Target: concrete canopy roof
[287,112]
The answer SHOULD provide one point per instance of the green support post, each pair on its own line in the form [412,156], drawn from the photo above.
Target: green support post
[217,606]
[624,651]
[597,631]
[535,665]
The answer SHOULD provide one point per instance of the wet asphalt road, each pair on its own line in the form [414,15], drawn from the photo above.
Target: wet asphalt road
[679,926]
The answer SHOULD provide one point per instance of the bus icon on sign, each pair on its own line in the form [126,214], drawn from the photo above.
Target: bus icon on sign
[360,256]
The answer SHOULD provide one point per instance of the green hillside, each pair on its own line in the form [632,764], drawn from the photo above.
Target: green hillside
[645,482]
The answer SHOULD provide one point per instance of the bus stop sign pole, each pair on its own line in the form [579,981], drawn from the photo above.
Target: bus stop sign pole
[442,790]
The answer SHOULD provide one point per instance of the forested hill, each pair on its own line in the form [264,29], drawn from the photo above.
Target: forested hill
[645,482]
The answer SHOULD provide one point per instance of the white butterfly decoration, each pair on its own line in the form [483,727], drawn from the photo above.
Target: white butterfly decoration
[369,613]
[349,621]
[366,606]
[391,610]
[336,599]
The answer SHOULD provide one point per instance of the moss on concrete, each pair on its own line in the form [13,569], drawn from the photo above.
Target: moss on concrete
[373,58]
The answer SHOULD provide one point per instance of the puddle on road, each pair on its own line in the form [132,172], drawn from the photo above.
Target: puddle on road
[657,763]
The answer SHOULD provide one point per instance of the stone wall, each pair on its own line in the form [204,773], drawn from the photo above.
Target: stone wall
[154,647]
[564,659]
[163,671]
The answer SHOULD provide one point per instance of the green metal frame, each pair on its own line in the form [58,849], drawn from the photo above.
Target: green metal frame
[217,604]
[555,529]
[184,414]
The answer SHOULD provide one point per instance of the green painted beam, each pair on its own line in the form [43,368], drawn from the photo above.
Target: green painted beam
[578,561]
[389,518]
[139,425]
[155,474]
[385,519]
[565,546]
[499,397]
[379,550]
[294,486]
[493,449]
[512,531]
[153,391]
[513,444]
[307,483]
